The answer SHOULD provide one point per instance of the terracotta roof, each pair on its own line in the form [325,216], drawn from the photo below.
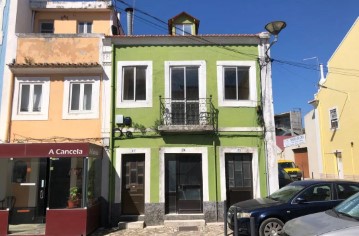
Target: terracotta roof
[57,64]
[183,36]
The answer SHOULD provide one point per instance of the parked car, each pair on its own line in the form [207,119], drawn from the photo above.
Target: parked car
[283,177]
[294,200]
[341,220]
[291,168]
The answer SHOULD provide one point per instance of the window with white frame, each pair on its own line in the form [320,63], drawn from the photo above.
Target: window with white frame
[237,84]
[183,29]
[47,27]
[31,98]
[84,28]
[333,118]
[134,84]
[81,97]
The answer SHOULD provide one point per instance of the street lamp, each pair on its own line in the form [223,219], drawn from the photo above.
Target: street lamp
[274,28]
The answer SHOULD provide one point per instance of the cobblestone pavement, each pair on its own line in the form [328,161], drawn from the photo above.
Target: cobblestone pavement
[211,229]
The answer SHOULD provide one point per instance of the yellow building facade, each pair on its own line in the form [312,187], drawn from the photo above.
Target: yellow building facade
[337,103]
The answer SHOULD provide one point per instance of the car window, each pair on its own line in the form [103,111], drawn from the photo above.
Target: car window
[350,206]
[287,165]
[286,193]
[345,190]
[317,193]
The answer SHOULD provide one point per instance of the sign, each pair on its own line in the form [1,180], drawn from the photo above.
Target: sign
[296,140]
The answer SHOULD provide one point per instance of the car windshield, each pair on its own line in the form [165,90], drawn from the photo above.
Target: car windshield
[286,193]
[349,207]
[287,164]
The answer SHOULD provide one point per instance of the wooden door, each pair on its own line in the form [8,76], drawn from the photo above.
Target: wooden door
[133,172]
[301,160]
[239,179]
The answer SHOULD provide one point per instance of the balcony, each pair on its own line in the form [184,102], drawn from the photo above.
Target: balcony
[187,116]
[70,4]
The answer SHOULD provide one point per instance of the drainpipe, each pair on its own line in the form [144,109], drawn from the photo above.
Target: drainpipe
[216,175]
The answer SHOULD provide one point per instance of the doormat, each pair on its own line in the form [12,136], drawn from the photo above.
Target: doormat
[188,228]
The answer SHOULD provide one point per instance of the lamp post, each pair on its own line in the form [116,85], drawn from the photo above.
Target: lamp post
[274,29]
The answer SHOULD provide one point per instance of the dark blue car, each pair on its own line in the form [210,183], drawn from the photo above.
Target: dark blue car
[296,199]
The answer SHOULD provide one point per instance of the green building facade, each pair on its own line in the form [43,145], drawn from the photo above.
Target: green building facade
[188,126]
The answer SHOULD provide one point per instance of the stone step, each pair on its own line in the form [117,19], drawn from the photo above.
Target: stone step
[184,223]
[131,225]
[184,217]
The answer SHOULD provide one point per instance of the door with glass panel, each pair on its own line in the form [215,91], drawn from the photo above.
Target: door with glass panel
[133,172]
[239,179]
[26,197]
[184,95]
[183,183]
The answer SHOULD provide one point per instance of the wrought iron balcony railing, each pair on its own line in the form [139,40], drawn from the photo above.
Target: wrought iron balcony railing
[187,115]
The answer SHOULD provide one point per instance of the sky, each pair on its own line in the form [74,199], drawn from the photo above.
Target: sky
[314,30]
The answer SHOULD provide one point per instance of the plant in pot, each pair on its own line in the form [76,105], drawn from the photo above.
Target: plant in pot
[74,197]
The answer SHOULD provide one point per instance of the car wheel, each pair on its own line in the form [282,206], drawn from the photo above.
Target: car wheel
[271,227]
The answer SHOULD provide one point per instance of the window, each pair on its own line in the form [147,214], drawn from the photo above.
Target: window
[345,190]
[81,98]
[183,29]
[47,27]
[84,28]
[317,193]
[31,98]
[236,83]
[333,118]
[134,84]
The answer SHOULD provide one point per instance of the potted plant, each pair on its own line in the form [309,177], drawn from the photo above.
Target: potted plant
[74,197]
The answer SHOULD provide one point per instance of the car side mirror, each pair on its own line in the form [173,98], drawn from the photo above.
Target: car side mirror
[300,200]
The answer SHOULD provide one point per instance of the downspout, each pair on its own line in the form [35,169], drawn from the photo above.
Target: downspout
[112,142]
[216,175]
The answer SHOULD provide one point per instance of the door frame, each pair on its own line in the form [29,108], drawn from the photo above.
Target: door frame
[184,150]
[255,168]
[118,169]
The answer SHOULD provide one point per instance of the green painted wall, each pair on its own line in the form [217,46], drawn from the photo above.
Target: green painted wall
[227,117]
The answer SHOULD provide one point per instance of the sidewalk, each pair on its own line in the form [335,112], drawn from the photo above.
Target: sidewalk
[211,229]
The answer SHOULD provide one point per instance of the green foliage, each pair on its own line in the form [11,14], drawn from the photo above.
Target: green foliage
[74,194]
[140,127]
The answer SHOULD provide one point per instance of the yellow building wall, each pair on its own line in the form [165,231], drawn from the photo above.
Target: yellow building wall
[58,50]
[341,91]
[66,22]
[55,127]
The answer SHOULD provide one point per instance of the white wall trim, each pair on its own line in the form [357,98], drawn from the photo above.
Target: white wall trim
[255,168]
[118,169]
[184,150]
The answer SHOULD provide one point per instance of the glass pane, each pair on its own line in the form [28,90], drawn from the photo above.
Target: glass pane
[187,28]
[243,84]
[128,83]
[75,97]
[179,29]
[93,181]
[47,27]
[66,183]
[192,83]
[89,27]
[81,28]
[141,83]
[87,97]
[37,97]
[230,91]
[25,96]
[238,177]
[177,83]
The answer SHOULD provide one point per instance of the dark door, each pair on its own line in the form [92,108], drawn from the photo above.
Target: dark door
[42,190]
[239,179]
[133,172]
[183,183]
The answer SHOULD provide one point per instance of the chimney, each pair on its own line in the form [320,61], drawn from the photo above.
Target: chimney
[129,20]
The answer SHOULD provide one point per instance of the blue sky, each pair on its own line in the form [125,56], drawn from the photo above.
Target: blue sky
[315,28]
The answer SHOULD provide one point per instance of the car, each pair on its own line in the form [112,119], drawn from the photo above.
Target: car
[341,220]
[291,168]
[283,177]
[266,216]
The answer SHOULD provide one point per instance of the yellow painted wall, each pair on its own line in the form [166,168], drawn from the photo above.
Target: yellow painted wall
[58,50]
[66,22]
[341,92]
[55,126]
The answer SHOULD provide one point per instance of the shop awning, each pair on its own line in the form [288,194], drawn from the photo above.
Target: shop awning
[33,150]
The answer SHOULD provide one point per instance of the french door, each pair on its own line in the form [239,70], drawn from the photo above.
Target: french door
[183,180]
[184,95]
